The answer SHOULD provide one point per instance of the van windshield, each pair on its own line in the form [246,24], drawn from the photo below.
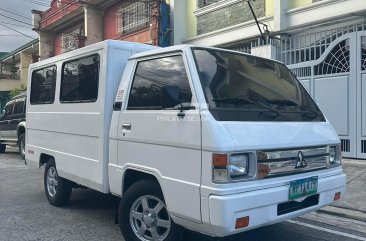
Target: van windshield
[240,87]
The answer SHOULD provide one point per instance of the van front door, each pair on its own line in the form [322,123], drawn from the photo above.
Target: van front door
[160,140]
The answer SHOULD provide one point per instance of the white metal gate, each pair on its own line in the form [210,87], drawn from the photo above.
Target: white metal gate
[337,81]
[361,94]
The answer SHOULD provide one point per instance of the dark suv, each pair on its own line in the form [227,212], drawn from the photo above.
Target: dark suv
[12,124]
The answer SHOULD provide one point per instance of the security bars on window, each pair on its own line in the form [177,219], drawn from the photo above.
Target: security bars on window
[133,16]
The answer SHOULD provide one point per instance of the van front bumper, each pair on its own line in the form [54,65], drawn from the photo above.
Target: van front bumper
[261,206]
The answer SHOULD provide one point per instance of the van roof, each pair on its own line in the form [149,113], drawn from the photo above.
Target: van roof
[135,47]
[187,47]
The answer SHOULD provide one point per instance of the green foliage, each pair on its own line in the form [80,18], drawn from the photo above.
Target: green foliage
[17,91]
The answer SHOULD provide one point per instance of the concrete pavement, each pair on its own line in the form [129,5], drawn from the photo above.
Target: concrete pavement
[353,203]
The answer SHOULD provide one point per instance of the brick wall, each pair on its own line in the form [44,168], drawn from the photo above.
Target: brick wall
[236,13]
[143,35]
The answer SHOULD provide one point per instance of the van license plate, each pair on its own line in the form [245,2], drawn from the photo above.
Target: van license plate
[303,187]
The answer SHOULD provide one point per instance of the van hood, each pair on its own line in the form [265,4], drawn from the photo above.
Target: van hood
[245,136]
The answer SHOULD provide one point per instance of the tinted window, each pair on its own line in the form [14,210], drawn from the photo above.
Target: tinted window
[241,87]
[43,86]
[19,107]
[151,76]
[79,81]
[9,109]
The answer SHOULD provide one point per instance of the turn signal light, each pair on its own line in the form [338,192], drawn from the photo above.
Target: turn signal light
[242,222]
[219,160]
[337,196]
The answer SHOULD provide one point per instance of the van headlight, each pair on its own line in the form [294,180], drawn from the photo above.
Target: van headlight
[335,156]
[238,165]
[233,167]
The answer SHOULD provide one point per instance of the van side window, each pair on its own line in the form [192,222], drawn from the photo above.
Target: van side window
[151,76]
[43,86]
[80,79]
[19,107]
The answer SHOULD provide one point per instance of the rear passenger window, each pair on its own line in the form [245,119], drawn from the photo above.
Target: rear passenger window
[43,86]
[80,79]
[19,107]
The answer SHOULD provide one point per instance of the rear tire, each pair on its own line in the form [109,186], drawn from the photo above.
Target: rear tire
[2,148]
[143,215]
[58,190]
[22,145]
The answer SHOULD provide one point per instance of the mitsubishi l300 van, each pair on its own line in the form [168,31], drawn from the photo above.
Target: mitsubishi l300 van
[212,140]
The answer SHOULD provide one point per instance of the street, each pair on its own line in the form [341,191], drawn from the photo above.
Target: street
[25,214]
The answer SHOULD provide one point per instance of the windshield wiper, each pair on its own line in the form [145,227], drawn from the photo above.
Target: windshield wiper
[305,110]
[234,100]
[244,101]
[282,102]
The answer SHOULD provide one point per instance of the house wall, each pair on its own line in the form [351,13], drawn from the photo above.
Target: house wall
[227,15]
[149,34]
[270,5]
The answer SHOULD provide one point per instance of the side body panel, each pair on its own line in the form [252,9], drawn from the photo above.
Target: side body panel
[76,134]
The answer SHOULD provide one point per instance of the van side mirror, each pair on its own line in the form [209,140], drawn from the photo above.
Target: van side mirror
[170,96]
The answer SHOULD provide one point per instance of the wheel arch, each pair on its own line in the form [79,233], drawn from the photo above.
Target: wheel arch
[131,176]
[44,158]
[21,129]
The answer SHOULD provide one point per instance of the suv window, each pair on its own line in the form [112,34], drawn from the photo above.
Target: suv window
[19,107]
[151,76]
[80,79]
[9,109]
[43,86]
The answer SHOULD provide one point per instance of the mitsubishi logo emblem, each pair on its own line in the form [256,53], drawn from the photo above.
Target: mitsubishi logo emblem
[300,162]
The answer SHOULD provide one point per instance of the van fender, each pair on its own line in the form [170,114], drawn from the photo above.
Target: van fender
[21,125]
[142,169]
[146,172]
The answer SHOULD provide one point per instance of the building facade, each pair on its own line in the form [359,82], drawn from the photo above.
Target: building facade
[322,41]
[71,24]
[14,69]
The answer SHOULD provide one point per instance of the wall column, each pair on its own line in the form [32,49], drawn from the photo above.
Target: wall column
[280,18]
[25,61]
[46,44]
[93,25]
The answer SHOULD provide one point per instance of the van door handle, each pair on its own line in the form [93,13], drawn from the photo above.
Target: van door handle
[126,127]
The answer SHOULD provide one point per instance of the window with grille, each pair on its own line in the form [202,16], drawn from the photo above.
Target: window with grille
[133,16]
[69,42]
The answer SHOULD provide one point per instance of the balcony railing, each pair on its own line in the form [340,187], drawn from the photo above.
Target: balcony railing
[15,76]
[204,3]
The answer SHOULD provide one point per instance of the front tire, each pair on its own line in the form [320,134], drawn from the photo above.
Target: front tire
[22,145]
[143,215]
[58,190]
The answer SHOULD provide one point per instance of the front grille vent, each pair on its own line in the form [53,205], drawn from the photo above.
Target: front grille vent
[288,162]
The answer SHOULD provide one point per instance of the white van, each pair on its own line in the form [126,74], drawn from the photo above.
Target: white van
[213,140]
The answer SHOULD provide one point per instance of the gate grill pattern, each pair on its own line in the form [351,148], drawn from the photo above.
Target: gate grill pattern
[303,48]
[337,60]
[345,145]
[363,53]
[363,146]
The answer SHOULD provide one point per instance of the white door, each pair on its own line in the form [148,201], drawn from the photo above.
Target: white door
[157,140]
[361,94]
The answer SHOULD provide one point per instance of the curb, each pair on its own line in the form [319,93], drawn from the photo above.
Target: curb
[344,213]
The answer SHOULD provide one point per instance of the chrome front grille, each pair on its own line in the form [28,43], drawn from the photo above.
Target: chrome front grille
[288,162]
